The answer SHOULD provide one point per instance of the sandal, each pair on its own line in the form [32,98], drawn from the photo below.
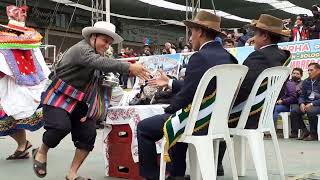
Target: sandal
[37,166]
[78,178]
[21,154]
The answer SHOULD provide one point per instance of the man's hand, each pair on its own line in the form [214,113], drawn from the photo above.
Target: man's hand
[161,81]
[279,101]
[139,70]
[83,119]
[303,108]
[308,107]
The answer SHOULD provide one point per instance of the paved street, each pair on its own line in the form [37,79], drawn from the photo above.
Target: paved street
[301,160]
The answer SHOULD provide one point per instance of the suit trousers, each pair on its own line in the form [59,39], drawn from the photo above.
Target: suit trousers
[150,131]
[297,119]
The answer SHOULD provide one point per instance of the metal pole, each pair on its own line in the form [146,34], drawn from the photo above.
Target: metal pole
[214,7]
[108,10]
[192,9]
[187,17]
[92,13]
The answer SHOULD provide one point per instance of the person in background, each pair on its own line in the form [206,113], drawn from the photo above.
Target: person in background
[299,32]
[146,50]
[228,43]
[230,36]
[289,97]
[122,53]
[168,49]
[315,29]
[186,49]
[309,103]
[247,34]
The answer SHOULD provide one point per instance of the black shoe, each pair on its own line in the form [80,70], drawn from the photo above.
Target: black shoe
[220,170]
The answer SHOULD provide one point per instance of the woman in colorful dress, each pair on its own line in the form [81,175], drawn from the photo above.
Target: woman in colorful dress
[23,76]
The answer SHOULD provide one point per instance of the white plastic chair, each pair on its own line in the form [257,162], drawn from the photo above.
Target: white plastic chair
[276,77]
[286,124]
[203,150]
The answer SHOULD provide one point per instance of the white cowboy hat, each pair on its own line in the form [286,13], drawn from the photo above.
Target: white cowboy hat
[102,27]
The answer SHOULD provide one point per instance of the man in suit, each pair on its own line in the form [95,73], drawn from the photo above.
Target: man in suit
[205,27]
[268,32]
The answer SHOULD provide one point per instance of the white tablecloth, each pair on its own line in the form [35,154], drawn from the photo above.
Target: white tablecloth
[130,115]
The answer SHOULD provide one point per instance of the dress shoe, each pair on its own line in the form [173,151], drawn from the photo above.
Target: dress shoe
[311,137]
[220,172]
[303,135]
[293,136]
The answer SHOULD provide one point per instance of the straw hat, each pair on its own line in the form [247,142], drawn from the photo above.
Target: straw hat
[102,27]
[206,20]
[271,24]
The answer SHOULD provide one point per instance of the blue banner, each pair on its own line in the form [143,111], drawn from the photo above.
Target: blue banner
[302,52]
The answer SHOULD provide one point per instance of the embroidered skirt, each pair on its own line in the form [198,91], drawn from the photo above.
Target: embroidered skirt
[9,125]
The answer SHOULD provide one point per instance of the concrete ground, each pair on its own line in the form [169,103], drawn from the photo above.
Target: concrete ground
[300,158]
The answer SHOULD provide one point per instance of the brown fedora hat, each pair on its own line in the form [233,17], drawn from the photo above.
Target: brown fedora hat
[206,20]
[271,24]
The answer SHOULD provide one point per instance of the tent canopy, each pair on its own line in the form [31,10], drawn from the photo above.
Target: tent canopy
[235,13]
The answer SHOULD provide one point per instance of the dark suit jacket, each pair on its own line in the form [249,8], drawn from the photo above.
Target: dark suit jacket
[210,55]
[257,62]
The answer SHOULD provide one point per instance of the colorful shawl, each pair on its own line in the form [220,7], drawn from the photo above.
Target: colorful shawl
[24,66]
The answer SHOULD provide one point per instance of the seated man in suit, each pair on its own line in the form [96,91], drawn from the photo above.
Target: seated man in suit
[309,103]
[268,32]
[204,28]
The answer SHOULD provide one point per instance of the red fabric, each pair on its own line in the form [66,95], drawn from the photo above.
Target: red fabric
[24,61]
[17,13]
[304,34]
[2,74]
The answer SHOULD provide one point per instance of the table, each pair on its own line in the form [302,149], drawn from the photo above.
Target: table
[130,115]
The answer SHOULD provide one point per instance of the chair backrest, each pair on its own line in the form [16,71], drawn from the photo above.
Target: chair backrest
[273,80]
[228,80]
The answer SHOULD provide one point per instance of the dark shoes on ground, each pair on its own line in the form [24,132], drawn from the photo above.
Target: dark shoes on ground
[293,136]
[303,135]
[311,137]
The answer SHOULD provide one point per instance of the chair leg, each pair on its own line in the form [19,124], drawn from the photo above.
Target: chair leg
[231,157]
[195,173]
[240,154]
[216,152]
[278,154]
[206,159]
[255,140]
[285,124]
[162,163]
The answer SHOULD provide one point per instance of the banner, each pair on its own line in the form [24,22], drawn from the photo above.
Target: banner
[302,52]
[169,63]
